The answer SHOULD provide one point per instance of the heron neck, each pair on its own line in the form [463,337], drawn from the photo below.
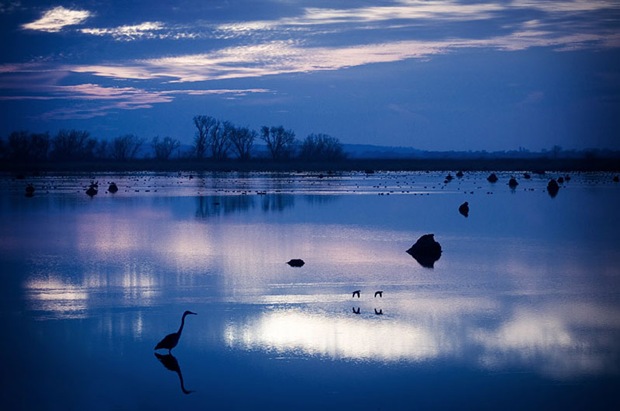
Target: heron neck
[182,324]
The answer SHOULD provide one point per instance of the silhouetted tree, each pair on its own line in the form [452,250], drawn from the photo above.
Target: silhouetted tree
[126,147]
[102,149]
[242,139]
[280,142]
[19,146]
[219,142]
[70,145]
[203,125]
[321,147]
[164,148]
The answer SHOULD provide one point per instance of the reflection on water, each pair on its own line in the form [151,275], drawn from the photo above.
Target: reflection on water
[170,362]
[526,283]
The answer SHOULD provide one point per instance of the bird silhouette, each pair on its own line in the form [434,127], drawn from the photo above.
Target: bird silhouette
[357,292]
[356,311]
[379,293]
[379,312]
[171,340]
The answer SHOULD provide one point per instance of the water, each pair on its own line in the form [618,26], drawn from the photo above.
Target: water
[521,311]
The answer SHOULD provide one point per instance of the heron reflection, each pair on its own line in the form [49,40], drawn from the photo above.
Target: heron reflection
[171,363]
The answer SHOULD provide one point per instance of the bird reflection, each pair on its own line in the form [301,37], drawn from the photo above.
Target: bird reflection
[379,311]
[356,311]
[171,363]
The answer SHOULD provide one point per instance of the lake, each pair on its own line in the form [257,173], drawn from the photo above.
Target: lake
[521,311]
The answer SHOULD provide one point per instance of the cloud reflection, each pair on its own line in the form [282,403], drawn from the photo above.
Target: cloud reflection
[557,342]
[335,336]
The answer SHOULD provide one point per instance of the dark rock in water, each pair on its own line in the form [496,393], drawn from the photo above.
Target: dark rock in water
[464,209]
[553,187]
[296,262]
[113,188]
[92,189]
[426,250]
[29,190]
[492,178]
[513,182]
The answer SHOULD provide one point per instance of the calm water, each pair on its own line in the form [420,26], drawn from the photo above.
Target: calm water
[522,310]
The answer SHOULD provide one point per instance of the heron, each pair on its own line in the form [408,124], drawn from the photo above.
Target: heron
[171,340]
[357,292]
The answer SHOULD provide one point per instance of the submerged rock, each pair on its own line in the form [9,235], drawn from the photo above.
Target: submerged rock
[464,209]
[29,190]
[92,189]
[512,183]
[296,262]
[426,250]
[492,178]
[553,187]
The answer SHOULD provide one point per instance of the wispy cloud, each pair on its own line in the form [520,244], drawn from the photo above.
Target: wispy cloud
[56,19]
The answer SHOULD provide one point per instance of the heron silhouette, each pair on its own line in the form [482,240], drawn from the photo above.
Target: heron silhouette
[171,340]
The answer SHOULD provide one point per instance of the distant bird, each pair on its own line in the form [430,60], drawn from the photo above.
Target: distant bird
[355,311]
[380,312]
[464,209]
[171,340]
[513,183]
[379,293]
[357,292]
[113,188]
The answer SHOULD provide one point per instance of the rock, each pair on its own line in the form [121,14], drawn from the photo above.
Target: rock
[464,209]
[29,190]
[492,178]
[92,189]
[113,188]
[296,262]
[553,187]
[426,250]
[512,183]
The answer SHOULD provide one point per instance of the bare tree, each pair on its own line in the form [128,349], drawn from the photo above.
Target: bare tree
[321,147]
[280,142]
[242,139]
[203,124]
[164,148]
[126,147]
[70,145]
[219,141]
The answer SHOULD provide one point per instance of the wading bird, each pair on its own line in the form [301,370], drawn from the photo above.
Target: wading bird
[379,293]
[357,292]
[171,340]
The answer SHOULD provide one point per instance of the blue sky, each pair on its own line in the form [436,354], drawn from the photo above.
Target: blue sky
[435,75]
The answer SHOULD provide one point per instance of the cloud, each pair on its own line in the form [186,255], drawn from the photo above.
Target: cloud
[56,19]
[143,30]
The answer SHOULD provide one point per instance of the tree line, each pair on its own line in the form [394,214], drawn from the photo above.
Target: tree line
[213,139]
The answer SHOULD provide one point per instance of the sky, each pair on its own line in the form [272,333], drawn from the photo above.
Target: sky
[429,74]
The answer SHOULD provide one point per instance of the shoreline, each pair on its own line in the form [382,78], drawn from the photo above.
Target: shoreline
[368,165]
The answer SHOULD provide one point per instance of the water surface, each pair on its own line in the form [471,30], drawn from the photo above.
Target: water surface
[522,310]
